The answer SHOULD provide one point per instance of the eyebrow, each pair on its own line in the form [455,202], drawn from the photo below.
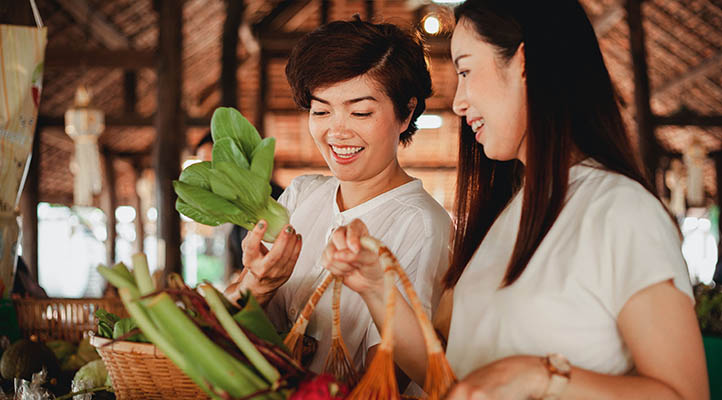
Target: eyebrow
[456,60]
[351,101]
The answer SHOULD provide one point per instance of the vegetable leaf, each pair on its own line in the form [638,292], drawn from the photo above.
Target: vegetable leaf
[262,158]
[197,174]
[228,122]
[225,149]
[196,215]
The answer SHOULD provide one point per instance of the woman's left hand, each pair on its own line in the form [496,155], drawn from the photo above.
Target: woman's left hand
[513,378]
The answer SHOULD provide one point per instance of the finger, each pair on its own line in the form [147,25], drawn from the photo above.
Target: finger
[340,268]
[459,392]
[251,244]
[338,238]
[288,250]
[362,259]
[273,257]
[328,253]
[354,232]
[296,250]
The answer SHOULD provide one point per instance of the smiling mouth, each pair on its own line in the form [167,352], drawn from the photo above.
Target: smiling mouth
[477,124]
[345,152]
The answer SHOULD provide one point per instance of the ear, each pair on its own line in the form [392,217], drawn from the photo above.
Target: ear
[521,55]
[411,107]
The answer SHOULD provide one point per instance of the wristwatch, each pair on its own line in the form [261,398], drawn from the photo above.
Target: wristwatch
[559,373]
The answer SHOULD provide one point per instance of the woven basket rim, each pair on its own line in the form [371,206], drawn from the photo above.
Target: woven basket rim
[126,347]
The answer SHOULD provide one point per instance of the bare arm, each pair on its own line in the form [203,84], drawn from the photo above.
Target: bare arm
[658,325]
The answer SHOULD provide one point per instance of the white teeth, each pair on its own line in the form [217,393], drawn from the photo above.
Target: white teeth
[346,151]
[476,125]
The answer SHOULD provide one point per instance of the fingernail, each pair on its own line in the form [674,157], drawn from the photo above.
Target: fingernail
[261,225]
[289,229]
[298,236]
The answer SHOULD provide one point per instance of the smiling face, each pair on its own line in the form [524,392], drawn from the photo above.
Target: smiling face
[356,130]
[490,93]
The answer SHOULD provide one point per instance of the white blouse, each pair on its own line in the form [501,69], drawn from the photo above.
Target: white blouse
[407,219]
[611,240]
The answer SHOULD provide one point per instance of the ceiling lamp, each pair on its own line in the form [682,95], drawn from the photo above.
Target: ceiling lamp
[84,125]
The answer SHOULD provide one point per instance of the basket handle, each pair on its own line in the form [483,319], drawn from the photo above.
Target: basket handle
[439,376]
[299,327]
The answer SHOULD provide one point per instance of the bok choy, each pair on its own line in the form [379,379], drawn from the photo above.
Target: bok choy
[235,186]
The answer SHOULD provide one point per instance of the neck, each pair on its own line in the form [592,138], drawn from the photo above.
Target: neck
[354,193]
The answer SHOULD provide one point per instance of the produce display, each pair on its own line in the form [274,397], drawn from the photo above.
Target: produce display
[235,186]
[229,352]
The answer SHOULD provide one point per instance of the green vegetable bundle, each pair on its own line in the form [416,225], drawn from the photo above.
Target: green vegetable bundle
[235,186]
[228,352]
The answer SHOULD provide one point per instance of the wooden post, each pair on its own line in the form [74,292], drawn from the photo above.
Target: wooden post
[229,54]
[325,6]
[29,208]
[109,203]
[648,145]
[369,10]
[717,156]
[130,96]
[262,93]
[170,133]
[138,205]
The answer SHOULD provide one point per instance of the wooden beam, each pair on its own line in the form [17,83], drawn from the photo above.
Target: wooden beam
[75,58]
[130,94]
[100,27]
[29,208]
[109,203]
[229,53]
[706,67]
[369,9]
[125,120]
[607,19]
[280,14]
[708,121]
[16,13]
[170,135]
[648,145]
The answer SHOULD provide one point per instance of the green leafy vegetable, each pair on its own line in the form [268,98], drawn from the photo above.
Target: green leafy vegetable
[235,186]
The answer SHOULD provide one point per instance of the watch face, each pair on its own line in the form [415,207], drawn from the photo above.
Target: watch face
[560,363]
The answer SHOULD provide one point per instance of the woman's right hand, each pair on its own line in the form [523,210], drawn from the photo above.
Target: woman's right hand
[266,270]
[344,256]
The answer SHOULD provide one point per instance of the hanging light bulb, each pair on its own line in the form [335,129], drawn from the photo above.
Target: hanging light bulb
[84,125]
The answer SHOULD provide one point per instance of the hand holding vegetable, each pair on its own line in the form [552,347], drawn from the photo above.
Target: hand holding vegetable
[360,268]
[266,270]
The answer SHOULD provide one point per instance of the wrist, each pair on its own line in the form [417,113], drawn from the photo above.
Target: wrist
[374,293]
[558,372]
[260,290]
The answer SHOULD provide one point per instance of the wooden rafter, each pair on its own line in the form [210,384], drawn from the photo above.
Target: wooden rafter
[607,19]
[120,58]
[134,120]
[280,14]
[229,53]
[100,27]
[706,67]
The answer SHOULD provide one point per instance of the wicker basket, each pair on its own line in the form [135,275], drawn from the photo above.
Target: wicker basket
[66,319]
[141,371]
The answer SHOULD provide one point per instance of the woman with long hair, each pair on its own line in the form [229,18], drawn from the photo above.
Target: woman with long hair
[567,274]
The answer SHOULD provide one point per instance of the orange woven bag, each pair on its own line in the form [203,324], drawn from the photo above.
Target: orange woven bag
[379,381]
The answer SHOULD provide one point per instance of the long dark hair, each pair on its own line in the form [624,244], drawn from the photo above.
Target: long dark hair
[572,109]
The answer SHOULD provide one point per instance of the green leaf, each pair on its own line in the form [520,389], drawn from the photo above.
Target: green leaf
[205,201]
[228,122]
[262,158]
[253,318]
[225,149]
[250,189]
[197,174]
[195,214]
[223,185]
[124,326]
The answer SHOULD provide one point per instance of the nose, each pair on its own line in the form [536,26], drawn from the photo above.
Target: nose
[460,104]
[338,127]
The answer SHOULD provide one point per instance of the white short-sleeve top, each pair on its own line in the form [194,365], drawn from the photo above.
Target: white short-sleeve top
[611,239]
[407,219]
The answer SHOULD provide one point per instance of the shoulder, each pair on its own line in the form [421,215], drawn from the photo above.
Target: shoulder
[304,186]
[423,211]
